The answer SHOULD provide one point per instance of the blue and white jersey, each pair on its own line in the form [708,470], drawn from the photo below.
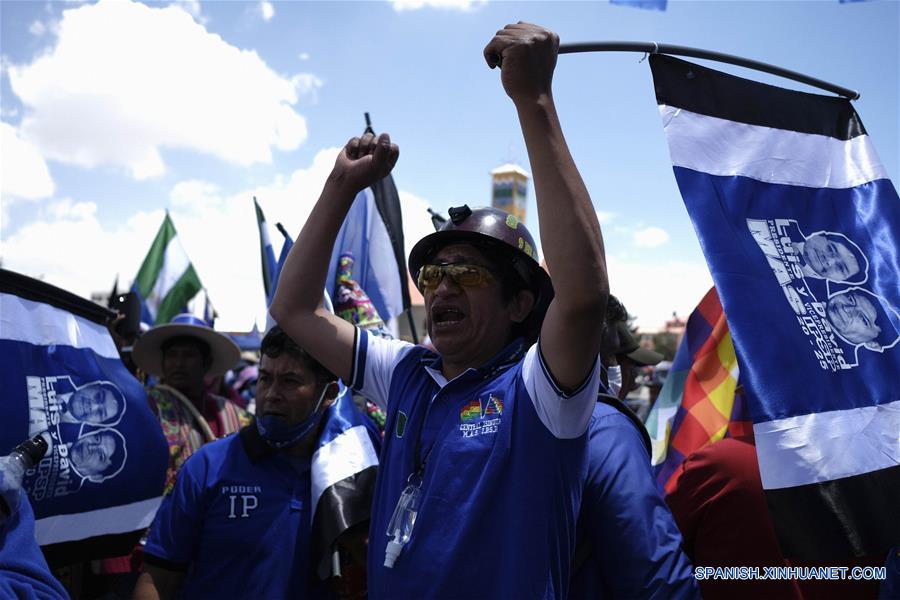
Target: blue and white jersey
[504,455]
[237,522]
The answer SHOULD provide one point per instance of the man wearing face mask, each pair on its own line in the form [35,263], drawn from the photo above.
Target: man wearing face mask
[239,522]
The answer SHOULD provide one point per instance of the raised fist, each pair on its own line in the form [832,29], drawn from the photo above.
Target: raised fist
[526,55]
[364,161]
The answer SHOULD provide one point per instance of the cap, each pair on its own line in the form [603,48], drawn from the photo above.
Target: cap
[632,349]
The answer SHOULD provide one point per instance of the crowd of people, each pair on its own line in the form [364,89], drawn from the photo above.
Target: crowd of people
[508,465]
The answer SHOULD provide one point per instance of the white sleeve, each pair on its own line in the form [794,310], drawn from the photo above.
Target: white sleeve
[374,359]
[565,415]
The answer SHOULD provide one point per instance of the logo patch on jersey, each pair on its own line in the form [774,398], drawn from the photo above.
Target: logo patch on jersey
[480,417]
[494,406]
[242,500]
[471,412]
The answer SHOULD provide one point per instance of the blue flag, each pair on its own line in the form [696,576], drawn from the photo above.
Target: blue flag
[800,227]
[368,254]
[285,250]
[645,4]
[103,475]
[267,254]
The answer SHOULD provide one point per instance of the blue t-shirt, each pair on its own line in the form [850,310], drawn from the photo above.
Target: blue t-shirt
[504,454]
[237,522]
[633,547]
[24,573]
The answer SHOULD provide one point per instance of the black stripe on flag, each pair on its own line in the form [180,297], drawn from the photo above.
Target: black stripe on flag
[839,518]
[387,200]
[342,505]
[93,548]
[709,92]
[39,291]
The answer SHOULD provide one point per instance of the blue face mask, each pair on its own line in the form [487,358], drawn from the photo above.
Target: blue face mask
[279,434]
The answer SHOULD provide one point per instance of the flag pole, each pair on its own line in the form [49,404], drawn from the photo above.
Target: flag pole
[654,48]
[408,311]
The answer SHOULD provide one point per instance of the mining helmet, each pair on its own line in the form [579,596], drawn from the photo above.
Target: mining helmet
[500,234]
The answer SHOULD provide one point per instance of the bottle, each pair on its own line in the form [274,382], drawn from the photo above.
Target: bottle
[401,525]
[12,469]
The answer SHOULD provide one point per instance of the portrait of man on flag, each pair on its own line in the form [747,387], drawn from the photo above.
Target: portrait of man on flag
[861,318]
[824,255]
[55,400]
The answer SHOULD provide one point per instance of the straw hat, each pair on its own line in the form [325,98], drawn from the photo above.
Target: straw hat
[147,352]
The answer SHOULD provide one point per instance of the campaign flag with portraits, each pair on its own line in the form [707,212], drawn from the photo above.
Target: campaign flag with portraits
[166,280]
[800,226]
[369,252]
[697,404]
[100,483]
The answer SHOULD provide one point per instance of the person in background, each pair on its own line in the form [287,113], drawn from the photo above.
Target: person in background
[181,354]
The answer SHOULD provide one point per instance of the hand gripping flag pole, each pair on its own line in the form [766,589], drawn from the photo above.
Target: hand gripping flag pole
[654,48]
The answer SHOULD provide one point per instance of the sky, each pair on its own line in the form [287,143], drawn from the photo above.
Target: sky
[113,112]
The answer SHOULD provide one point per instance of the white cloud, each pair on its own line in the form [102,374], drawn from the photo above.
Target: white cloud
[191,7]
[416,220]
[266,10]
[307,85]
[218,232]
[65,209]
[653,290]
[24,171]
[196,197]
[650,237]
[464,5]
[303,56]
[89,106]
[40,28]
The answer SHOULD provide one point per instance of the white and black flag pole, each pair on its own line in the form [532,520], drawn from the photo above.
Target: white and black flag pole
[387,201]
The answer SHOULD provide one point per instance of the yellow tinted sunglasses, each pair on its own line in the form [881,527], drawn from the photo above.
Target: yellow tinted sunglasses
[430,276]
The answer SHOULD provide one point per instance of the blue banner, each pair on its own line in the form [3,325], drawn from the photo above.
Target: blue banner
[61,375]
[800,226]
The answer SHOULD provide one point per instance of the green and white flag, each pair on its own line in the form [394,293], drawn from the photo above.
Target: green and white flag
[166,280]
